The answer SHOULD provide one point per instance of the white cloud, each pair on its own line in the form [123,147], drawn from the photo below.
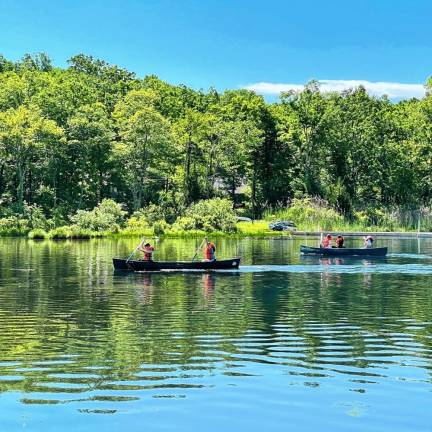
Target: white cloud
[393,90]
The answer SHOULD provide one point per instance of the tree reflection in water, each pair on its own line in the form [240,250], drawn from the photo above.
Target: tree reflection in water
[72,330]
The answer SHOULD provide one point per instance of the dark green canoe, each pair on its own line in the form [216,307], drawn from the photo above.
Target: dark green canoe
[378,252]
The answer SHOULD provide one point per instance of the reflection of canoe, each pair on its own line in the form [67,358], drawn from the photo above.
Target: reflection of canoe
[123,264]
[307,250]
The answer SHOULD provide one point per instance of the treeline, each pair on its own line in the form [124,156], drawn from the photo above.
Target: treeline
[71,137]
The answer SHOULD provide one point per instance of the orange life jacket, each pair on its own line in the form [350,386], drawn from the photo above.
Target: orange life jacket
[148,251]
[209,251]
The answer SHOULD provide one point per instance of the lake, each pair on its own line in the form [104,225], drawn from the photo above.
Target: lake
[284,343]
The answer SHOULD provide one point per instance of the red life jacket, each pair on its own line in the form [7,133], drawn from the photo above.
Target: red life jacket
[148,251]
[209,251]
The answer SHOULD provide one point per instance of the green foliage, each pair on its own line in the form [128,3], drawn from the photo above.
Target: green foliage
[308,212]
[209,215]
[13,226]
[25,139]
[145,149]
[38,234]
[74,232]
[258,229]
[159,227]
[137,221]
[107,216]
[70,138]
[36,217]
[151,214]
[63,232]
[185,223]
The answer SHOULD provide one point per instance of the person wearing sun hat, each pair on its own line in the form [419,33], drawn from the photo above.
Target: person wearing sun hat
[368,242]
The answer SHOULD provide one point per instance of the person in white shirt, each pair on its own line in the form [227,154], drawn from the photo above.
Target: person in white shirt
[368,242]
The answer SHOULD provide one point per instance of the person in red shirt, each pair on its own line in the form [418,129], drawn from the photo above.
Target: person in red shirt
[209,251]
[148,250]
[327,242]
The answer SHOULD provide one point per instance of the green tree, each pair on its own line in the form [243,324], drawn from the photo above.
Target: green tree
[24,137]
[306,111]
[144,150]
[90,132]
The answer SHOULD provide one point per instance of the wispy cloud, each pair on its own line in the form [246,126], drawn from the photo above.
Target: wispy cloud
[393,90]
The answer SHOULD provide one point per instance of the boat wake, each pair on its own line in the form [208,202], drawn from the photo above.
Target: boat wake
[414,269]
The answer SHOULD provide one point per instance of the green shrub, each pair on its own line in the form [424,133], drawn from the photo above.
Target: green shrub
[63,232]
[35,216]
[59,216]
[37,234]
[159,227]
[172,205]
[107,216]
[74,232]
[14,222]
[256,228]
[309,213]
[77,233]
[153,213]
[13,226]
[148,216]
[184,223]
[12,232]
[209,215]
[369,216]
[145,217]
[137,222]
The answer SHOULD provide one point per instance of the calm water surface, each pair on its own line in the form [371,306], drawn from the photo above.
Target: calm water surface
[285,343]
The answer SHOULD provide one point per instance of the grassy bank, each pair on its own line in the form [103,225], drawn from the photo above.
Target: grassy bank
[214,218]
[315,215]
[243,229]
[258,229]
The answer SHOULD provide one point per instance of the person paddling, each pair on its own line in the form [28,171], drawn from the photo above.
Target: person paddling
[327,242]
[209,251]
[148,250]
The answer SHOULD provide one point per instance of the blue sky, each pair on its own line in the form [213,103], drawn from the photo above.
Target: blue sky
[232,43]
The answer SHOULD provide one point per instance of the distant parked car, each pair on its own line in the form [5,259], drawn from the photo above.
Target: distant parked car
[282,226]
[243,219]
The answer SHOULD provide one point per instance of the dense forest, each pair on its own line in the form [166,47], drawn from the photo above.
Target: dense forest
[71,137]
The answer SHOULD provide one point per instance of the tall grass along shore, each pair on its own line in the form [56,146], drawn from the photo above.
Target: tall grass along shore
[214,217]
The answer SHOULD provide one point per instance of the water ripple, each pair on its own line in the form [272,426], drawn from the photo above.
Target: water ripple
[291,342]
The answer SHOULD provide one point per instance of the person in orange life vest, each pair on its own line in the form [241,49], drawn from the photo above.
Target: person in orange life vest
[327,242]
[209,251]
[340,241]
[148,250]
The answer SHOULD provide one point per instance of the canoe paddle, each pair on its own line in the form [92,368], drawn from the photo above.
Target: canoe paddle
[133,253]
[198,249]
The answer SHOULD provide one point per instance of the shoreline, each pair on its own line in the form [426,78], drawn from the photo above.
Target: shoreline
[389,234]
[278,235]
